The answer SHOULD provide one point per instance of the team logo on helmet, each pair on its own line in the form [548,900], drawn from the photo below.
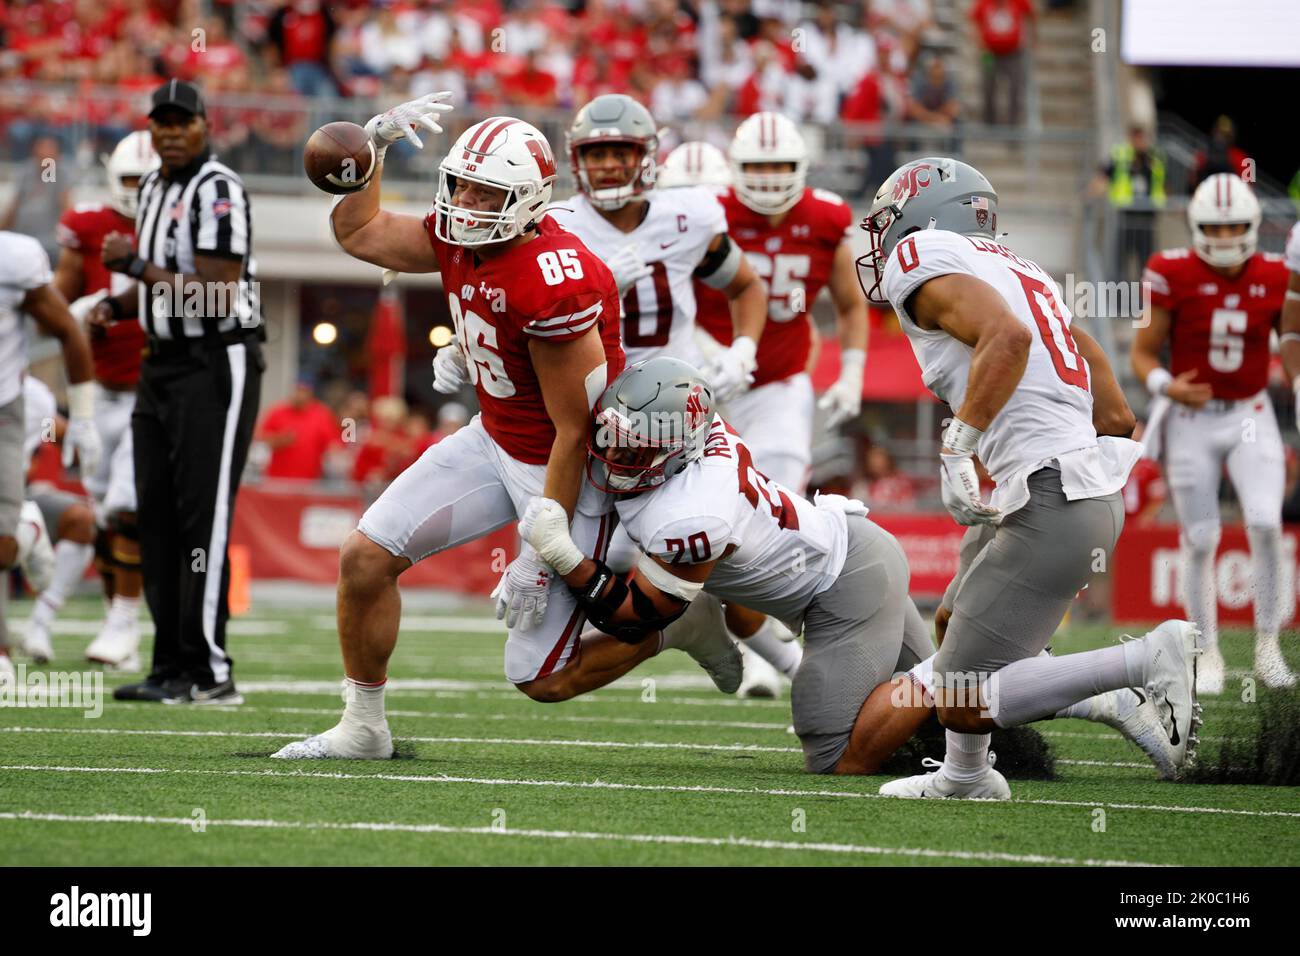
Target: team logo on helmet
[696,413]
[981,206]
[911,181]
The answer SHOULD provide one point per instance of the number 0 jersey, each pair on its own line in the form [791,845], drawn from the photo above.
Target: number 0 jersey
[551,289]
[1219,326]
[659,310]
[786,550]
[1049,416]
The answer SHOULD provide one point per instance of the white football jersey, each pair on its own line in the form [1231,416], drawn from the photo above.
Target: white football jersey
[1293,249]
[1049,417]
[39,407]
[659,311]
[23,266]
[786,550]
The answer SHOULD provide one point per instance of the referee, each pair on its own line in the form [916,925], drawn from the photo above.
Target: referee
[198,395]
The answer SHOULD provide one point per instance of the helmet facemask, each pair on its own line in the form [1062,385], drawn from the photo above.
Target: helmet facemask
[1226,252]
[641,176]
[770,193]
[480,227]
[635,457]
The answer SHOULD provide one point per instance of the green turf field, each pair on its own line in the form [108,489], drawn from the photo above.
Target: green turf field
[658,769]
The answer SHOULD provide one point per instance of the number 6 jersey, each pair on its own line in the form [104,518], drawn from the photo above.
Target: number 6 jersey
[786,551]
[551,289]
[1049,417]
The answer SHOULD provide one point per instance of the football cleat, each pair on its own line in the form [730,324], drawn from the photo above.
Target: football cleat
[1170,668]
[1270,665]
[1146,720]
[1210,672]
[36,643]
[116,647]
[348,740]
[189,692]
[760,678]
[937,785]
[702,633]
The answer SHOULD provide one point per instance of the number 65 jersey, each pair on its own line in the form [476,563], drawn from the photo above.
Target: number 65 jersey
[1049,417]
[551,289]
[785,551]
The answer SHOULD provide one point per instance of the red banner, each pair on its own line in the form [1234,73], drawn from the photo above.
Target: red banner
[1147,585]
[295,535]
[932,543]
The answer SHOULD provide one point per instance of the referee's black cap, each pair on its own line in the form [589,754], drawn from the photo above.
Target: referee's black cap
[178,93]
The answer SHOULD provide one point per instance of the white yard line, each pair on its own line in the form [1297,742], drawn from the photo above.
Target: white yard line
[609,785]
[641,838]
[530,717]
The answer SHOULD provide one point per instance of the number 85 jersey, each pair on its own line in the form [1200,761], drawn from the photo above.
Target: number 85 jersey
[550,289]
[1049,415]
[775,550]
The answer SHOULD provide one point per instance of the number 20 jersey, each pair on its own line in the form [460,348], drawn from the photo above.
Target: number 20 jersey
[551,289]
[1219,326]
[659,310]
[786,550]
[1050,413]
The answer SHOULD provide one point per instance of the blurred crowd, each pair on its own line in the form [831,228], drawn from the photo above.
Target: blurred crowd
[819,61]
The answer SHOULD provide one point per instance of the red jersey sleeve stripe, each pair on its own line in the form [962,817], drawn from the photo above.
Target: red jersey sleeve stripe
[550,322]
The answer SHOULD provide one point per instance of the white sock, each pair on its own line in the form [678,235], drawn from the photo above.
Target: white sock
[365,702]
[1039,687]
[1268,564]
[966,757]
[70,562]
[1081,711]
[1199,592]
[785,656]
[124,611]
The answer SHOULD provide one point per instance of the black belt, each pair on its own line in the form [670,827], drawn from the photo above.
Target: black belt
[171,348]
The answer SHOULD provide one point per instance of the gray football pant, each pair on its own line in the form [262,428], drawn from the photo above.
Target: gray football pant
[858,633]
[1008,602]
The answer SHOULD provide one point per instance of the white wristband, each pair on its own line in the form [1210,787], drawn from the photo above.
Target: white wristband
[81,400]
[1158,381]
[961,438]
[854,360]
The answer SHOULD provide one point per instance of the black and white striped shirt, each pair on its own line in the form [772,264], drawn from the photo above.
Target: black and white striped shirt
[203,209]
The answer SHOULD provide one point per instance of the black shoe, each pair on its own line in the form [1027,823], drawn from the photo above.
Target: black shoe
[190,692]
[150,688]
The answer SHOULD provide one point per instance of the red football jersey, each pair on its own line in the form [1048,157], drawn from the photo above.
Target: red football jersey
[552,288]
[1219,327]
[117,349]
[794,259]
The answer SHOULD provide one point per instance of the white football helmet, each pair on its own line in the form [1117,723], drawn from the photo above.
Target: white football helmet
[133,156]
[505,153]
[1224,199]
[768,138]
[696,163]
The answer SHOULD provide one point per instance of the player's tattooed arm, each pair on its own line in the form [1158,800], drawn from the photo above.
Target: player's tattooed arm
[972,311]
[1144,357]
[1111,414]
[562,370]
[391,240]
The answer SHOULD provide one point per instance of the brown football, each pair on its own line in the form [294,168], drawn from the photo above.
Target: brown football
[339,158]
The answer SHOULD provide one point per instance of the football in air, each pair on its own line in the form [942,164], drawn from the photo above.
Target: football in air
[339,158]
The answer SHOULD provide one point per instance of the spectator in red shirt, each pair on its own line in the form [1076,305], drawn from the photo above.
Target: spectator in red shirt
[300,34]
[530,86]
[299,432]
[385,443]
[1006,30]
[886,488]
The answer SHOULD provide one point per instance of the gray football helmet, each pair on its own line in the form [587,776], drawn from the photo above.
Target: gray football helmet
[614,118]
[650,423]
[931,193]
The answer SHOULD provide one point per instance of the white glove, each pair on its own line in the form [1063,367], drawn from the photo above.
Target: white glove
[400,122]
[732,371]
[545,525]
[959,487]
[80,308]
[843,400]
[522,592]
[850,506]
[82,437]
[628,268]
[450,372]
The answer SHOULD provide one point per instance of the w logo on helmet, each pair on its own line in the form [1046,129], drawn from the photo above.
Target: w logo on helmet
[911,181]
[541,151]
[696,412]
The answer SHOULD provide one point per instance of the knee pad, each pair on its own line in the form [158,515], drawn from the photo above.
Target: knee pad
[124,523]
[104,549]
[1202,537]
